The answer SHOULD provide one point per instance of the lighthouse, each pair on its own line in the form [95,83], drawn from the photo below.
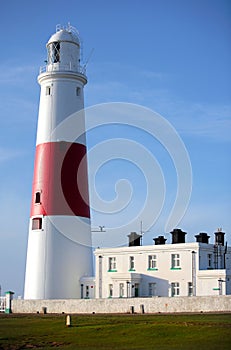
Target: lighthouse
[59,251]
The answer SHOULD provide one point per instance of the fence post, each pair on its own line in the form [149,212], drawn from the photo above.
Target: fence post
[142,308]
[9,297]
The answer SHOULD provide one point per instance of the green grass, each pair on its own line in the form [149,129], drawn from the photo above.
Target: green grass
[88,332]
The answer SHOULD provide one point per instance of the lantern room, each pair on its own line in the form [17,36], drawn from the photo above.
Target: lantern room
[63,50]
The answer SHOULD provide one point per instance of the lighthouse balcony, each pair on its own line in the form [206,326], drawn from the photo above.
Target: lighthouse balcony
[58,67]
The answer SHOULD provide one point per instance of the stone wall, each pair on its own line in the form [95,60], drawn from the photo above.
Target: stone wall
[136,305]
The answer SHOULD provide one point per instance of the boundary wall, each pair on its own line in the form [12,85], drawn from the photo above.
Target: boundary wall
[127,305]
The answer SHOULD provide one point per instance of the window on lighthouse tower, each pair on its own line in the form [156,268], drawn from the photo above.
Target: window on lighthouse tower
[38,197]
[36,223]
[78,91]
[54,52]
[48,90]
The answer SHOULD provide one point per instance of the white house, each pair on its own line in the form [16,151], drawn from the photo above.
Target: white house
[164,270]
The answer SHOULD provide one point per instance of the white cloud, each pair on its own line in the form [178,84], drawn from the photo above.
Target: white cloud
[9,154]
[115,82]
[16,74]
[203,120]
[212,121]
[208,217]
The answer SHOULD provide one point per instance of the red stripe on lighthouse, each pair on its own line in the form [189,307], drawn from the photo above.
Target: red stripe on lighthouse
[60,181]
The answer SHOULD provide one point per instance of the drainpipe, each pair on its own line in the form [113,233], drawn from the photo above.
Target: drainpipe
[194,272]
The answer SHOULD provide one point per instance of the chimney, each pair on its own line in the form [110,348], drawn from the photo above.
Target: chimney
[159,240]
[202,237]
[219,237]
[178,236]
[134,239]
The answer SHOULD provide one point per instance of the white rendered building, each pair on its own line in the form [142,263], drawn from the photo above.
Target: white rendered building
[165,270]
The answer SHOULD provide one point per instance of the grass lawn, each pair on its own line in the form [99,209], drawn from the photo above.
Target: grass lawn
[88,332]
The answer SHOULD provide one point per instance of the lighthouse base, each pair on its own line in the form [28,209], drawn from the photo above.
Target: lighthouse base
[58,256]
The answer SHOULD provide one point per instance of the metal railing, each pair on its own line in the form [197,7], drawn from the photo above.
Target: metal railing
[69,28]
[59,67]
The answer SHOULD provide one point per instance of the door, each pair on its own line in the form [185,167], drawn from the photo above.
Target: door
[136,290]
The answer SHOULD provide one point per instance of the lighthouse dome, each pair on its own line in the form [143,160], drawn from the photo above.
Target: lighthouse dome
[65,35]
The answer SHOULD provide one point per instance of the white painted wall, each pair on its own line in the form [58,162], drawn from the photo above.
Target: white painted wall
[150,305]
[57,256]
[163,275]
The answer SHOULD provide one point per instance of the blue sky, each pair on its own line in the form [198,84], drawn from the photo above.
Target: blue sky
[171,56]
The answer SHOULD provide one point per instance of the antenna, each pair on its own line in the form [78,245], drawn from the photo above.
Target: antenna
[141,231]
[101,229]
[141,227]
[88,59]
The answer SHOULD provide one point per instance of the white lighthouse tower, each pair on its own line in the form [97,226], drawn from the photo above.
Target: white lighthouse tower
[59,249]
